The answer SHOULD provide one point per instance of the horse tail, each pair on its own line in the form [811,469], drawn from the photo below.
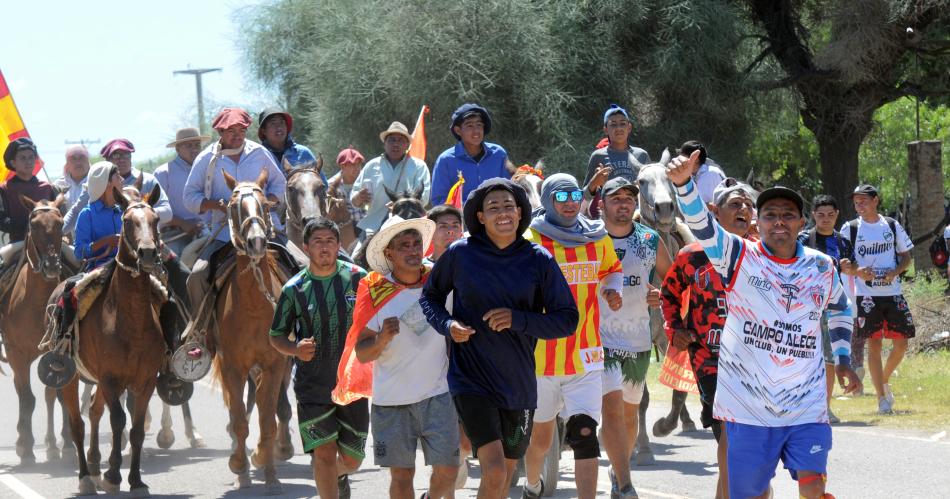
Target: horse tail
[216,375]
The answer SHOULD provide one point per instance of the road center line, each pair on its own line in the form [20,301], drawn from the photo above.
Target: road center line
[18,487]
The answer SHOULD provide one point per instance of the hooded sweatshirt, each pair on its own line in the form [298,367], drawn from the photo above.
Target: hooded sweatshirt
[523,277]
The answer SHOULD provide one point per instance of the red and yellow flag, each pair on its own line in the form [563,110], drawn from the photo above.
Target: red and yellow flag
[11,127]
[417,146]
[454,197]
[354,379]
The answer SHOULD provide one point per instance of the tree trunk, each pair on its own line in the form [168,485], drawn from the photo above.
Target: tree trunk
[839,168]
[926,196]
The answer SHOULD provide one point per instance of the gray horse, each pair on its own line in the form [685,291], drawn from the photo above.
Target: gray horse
[658,210]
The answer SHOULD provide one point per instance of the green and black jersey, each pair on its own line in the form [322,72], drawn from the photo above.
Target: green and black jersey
[319,308]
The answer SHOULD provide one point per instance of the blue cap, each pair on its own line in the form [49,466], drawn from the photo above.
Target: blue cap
[614,109]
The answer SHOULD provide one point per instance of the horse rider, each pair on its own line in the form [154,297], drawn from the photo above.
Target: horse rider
[75,171]
[184,226]
[206,192]
[274,131]
[615,159]
[394,170]
[20,157]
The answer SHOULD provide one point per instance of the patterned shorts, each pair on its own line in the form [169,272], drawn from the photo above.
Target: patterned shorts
[884,317]
[346,425]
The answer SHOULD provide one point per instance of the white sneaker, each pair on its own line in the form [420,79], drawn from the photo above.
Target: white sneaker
[884,406]
[888,394]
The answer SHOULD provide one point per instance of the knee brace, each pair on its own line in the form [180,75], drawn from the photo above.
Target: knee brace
[581,434]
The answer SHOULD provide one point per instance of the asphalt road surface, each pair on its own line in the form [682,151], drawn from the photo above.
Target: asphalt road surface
[866,462]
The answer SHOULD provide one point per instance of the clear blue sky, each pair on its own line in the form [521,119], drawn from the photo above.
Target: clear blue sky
[103,69]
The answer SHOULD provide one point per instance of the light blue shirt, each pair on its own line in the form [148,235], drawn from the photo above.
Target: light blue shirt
[162,208]
[406,175]
[172,177]
[254,158]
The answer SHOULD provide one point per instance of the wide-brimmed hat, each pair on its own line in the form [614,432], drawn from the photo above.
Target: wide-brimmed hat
[393,226]
[395,127]
[98,179]
[188,135]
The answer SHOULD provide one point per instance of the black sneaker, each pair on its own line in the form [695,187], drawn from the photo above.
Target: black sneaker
[343,486]
[525,494]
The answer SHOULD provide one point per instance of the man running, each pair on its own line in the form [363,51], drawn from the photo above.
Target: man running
[824,238]
[568,370]
[506,293]
[693,286]
[626,333]
[882,254]
[315,308]
[771,386]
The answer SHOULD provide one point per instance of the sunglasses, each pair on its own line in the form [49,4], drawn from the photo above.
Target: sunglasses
[562,196]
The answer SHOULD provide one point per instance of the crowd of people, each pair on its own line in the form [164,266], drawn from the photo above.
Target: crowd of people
[486,322]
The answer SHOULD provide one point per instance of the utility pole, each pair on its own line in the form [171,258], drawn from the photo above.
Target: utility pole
[201,109]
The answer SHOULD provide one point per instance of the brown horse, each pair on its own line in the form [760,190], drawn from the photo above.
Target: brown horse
[21,323]
[120,346]
[306,197]
[244,312]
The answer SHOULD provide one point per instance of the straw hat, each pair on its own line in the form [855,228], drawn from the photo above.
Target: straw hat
[187,135]
[393,226]
[397,128]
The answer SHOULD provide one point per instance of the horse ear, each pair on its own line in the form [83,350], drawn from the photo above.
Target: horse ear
[418,192]
[319,162]
[27,203]
[286,165]
[152,197]
[120,199]
[262,178]
[665,157]
[392,195]
[139,182]
[539,165]
[510,167]
[229,180]
[60,202]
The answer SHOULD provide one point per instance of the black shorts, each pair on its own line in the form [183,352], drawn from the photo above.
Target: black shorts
[707,393]
[346,425]
[884,317]
[484,423]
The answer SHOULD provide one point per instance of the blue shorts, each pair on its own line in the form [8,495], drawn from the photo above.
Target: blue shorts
[754,452]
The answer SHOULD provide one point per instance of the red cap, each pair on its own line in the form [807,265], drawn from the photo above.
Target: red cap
[231,116]
[116,145]
[349,156]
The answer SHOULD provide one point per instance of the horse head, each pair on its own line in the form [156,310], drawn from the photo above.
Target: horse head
[139,241]
[337,209]
[44,237]
[407,204]
[249,216]
[306,194]
[530,178]
[657,195]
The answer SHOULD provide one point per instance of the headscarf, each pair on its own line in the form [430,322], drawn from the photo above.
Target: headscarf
[571,232]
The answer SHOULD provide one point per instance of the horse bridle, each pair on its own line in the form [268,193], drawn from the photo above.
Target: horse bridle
[53,257]
[137,269]
[235,212]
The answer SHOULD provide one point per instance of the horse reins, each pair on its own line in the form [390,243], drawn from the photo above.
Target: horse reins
[54,257]
[237,235]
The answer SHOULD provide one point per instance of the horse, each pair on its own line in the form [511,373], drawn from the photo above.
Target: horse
[120,346]
[338,210]
[530,178]
[306,197]
[658,210]
[244,312]
[404,204]
[25,303]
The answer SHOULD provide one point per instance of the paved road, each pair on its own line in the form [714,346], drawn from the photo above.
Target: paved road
[866,462]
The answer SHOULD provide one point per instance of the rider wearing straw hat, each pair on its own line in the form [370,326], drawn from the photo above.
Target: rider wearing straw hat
[185,226]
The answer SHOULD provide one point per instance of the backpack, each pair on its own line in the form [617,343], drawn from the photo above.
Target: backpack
[891,224]
[938,252]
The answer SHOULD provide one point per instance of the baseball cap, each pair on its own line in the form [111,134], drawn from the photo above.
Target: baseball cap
[614,109]
[867,189]
[780,192]
[615,184]
[727,187]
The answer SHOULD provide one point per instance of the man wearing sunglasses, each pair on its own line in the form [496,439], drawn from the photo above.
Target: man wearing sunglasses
[569,369]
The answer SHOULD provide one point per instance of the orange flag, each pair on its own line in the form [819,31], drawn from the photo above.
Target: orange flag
[11,127]
[454,197]
[417,146]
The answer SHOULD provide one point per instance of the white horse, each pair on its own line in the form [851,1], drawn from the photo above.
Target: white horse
[659,211]
[530,178]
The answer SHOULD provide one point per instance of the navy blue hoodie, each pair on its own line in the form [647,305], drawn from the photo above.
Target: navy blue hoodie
[523,277]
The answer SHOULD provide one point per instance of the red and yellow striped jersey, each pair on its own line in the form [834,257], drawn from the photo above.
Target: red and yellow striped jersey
[583,267]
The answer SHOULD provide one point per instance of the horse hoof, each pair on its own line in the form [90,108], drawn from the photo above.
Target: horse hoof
[243,480]
[165,438]
[140,492]
[273,488]
[283,452]
[689,427]
[256,460]
[662,427]
[645,458]
[52,454]
[27,459]
[197,442]
[109,487]
[237,465]
[87,486]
